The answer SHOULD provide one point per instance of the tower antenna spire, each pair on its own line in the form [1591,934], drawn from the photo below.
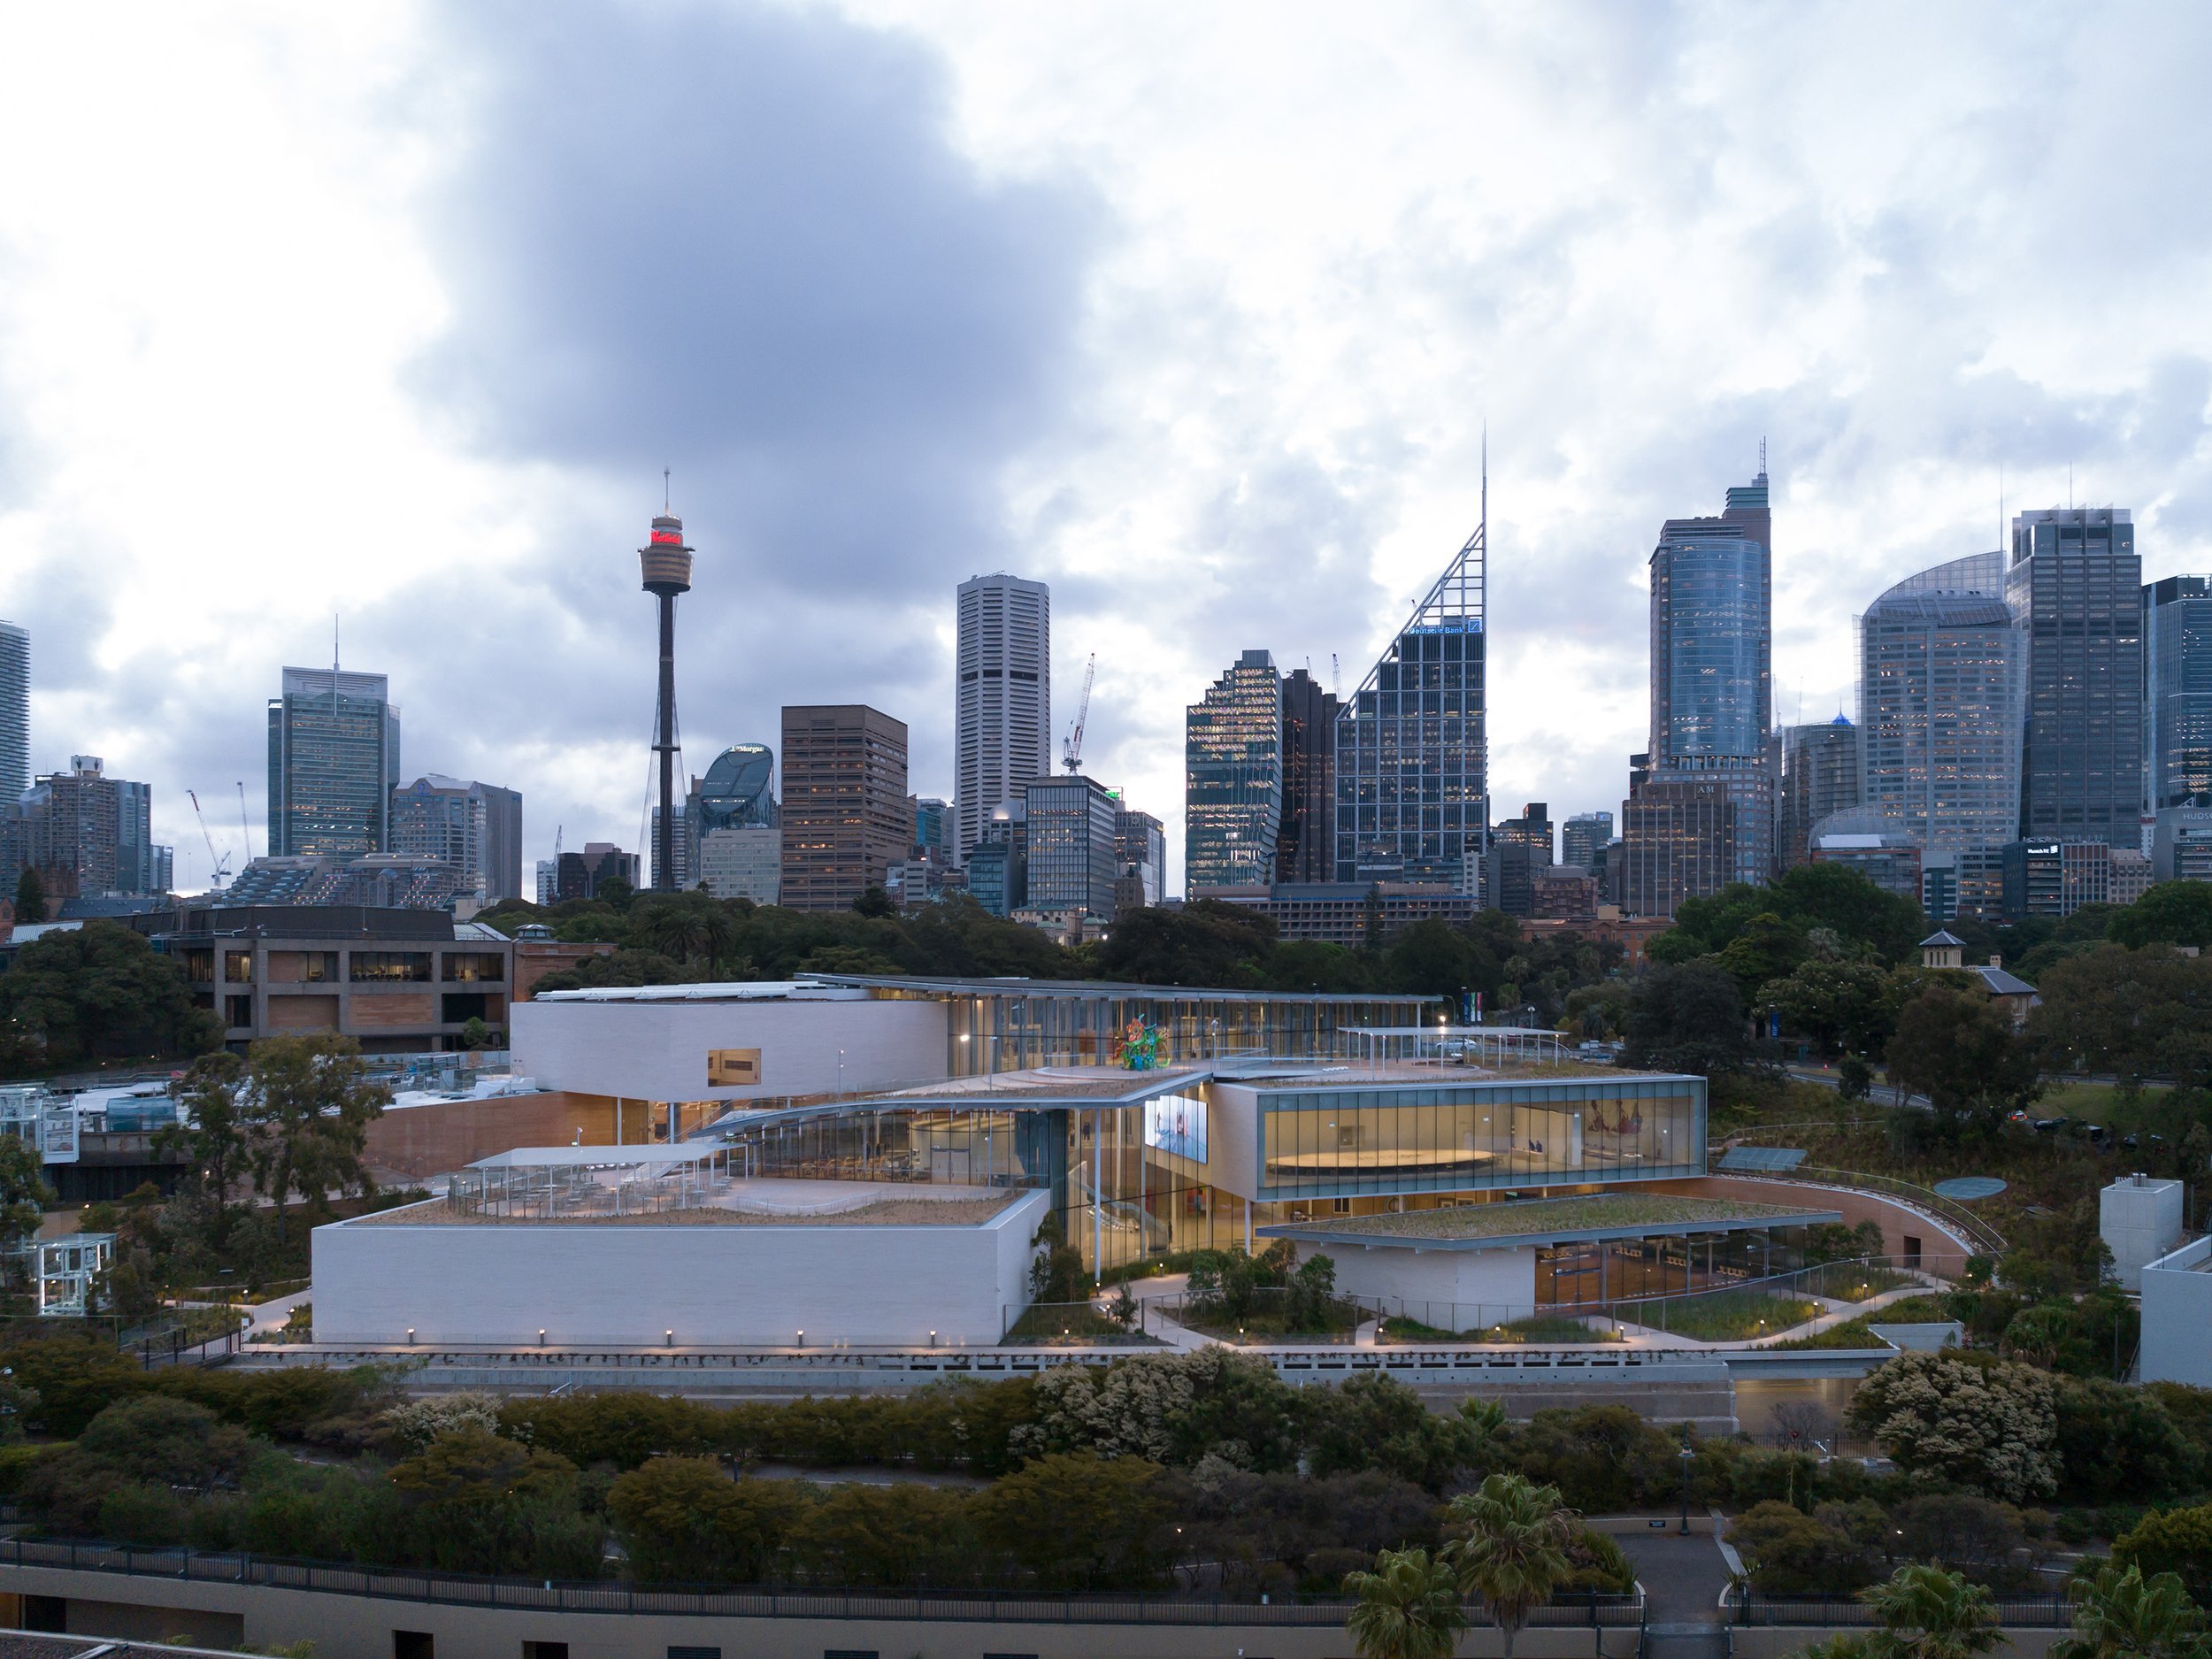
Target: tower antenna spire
[667,496]
[1486,488]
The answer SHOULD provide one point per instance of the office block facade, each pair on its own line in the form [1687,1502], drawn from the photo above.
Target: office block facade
[2075,589]
[1233,778]
[1003,696]
[1412,743]
[1583,839]
[1820,775]
[1942,671]
[1306,849]
[844,803]
[15,710]
[476,827]
[1679,842]
[334,763]
[2181,844]
[72,830]
[1140,850]
[2176,693]
[1071,824]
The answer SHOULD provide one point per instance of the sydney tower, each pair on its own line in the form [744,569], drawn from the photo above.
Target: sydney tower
[666,565]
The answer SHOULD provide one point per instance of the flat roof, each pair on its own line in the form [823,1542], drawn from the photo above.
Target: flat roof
[714,991]
[1511,1222]
[598,1157]
[1016,985]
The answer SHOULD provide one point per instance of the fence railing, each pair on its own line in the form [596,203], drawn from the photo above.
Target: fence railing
[1747,1606]
[726,1602]
[1983,1237]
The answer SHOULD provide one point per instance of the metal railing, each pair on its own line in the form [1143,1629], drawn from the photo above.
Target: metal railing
[1985,1238]
[729,1602]
[1747,1606]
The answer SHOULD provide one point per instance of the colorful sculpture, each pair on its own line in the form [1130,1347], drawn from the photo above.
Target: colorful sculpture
[1138,1048]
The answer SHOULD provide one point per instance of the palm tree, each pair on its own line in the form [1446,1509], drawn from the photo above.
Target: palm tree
[717,932]
[1513,1554]
[1929,1613]
[1408,1608]
[2120,1614]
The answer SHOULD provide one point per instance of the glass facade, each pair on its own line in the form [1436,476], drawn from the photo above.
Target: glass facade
[1233,778]
[334,763]
[1940,715]
[2177,692]
[1711,640]
[2075,588]
[1412,744]
[1068,845]
[1341,1141]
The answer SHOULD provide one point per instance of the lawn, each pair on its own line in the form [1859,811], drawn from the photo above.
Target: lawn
[1854,1332]
[1722,1315]
[1265,1323]
[1077,1323]
[1552,1329]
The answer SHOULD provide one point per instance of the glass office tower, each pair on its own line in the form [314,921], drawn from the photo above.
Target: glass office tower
[1412,743]
[2074,588]
[1233,778]
[334,762]
[1939,684]
[2177,692]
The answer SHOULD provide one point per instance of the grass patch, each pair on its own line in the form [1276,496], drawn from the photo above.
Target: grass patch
[1045,1324]
[1547,1328]
[1263,1323]
[1928,1310]
[1865,1283]
[1725,1315]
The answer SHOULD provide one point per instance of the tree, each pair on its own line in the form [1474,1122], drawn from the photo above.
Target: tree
[2172,913]
[1409,1608]
[1206,942]
[1077,1521]
[1791,1552]
[2179,1541]
[683,1520]
[1927,1613]
[1958,1047]
[1840,1005]
[24,1192]
[212,1136]
[1766,948]
[1686,1018]
[1993,1427]
[2119,1614]
[2133,1013]
[99,991]
[1513,1552]
[30,898]
[875,901]
[305,1106]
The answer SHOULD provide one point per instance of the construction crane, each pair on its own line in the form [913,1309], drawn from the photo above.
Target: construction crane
[244,828]
[1073,757]
[221,861]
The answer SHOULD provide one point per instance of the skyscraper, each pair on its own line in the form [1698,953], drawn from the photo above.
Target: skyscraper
[1584,837]
[844,803]
[1233,780]
[2177,692]
[1306,849]
[2074,588]
[1071,823]
[1820,775]
[1141,852]
[1939,709]
[15,711]
[476,827]
[334,762]
[736,843]
[1711,702]
[1412,746]
[1001,699]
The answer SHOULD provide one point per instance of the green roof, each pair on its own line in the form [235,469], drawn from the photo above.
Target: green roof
[1601,1215]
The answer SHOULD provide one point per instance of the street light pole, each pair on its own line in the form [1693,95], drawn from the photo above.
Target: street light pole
[1686,1455]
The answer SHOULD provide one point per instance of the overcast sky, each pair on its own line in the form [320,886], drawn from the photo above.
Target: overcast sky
[1195,312]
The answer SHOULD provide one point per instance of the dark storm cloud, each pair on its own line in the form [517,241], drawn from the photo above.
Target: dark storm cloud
[737,242]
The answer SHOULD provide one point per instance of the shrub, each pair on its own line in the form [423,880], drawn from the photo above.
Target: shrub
[1993,1428]
[1788,1552]
[683,1520]
[2179,1541]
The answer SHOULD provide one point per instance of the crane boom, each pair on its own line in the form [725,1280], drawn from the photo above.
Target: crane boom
[244,828]
[1073,758]
[220,872]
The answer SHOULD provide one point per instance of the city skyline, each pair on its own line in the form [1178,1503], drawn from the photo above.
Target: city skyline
[1017,379]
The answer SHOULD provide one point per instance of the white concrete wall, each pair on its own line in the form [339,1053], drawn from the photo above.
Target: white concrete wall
[1496,1280]
[1233,1140]
[2139,1223]
[622,1285]
[657,1051]
[2178,1317]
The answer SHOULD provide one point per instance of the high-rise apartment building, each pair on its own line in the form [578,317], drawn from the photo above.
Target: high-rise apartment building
[1141,851]
[1305,851]
[1820,775]
[681,845]
[844,803]
[1071,824]
[1584,837]
[1001,699]
[74,827]
[15,711]
[1711,708]
[1412,746]
[1233,780]
[734,839]
[334,763]
[476,827]
[2075,589]
[2176,693]
[1940,670]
